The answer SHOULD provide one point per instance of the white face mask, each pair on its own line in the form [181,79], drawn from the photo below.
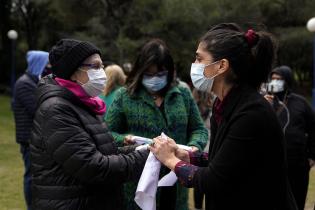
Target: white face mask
[275,86]
[96,84]
[198,78]
[155,83]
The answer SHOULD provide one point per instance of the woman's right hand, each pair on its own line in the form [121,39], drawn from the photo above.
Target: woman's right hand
[182,155]
[128,140]
[179,153]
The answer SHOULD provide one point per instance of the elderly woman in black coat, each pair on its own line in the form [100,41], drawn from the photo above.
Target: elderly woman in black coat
[75,162]
[246,166]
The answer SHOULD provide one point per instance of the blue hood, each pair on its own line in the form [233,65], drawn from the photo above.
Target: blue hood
[36,62]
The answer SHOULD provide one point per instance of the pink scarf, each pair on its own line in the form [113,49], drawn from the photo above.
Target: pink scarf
[95,104]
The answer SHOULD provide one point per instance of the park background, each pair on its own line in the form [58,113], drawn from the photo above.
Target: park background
[118,28]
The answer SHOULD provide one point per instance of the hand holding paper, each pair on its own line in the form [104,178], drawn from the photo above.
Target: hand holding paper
[141,140]
[164,150]
[148,183]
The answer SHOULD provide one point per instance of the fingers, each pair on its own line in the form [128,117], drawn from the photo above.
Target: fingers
[269,97]
[194,149]
[128,140]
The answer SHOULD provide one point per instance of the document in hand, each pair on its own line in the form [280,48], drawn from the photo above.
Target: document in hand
[148,183]
[141,140]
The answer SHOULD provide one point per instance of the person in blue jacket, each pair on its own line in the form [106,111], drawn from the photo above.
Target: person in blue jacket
[24,109]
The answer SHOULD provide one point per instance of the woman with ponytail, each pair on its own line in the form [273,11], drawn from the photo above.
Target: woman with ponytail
[246,166]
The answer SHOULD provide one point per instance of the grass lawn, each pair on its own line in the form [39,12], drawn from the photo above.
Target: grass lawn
[11,166]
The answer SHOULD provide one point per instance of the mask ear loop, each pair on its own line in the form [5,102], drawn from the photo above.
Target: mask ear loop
[210,65]
[77,81]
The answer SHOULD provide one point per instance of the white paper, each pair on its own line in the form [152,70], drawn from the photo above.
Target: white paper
[149,180]
[142,147]
[141,140]
[168,180]
[147,186]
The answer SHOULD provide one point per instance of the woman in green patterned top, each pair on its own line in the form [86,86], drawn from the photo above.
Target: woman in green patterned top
[153,102]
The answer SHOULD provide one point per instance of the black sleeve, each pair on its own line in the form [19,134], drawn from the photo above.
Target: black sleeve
[25,94]
[238,155]
[70,146]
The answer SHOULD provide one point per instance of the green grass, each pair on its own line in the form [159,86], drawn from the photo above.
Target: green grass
[310,201]
[11,166]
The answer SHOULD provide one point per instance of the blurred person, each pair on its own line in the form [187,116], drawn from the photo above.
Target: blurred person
[116,78]
[47,70]
[246,166]
[297,119]
[153,102]
[24,105]
[204,101]
[75,161]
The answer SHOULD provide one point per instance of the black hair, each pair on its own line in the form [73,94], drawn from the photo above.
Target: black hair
[153,52]
[250,60]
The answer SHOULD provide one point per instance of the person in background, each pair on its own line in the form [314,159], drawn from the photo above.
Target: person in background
[116,78]
[297,119]
[75,162]
[204,102]
[24,105]
[47,70]
[153,102]
[246,166]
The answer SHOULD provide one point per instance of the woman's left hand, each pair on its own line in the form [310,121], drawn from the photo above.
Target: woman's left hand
[164,150]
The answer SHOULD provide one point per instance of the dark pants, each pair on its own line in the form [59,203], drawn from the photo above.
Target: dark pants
[198,198]
[25,151]
[168,198]
[299,177]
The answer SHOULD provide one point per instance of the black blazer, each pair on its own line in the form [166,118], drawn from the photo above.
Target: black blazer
[247,165]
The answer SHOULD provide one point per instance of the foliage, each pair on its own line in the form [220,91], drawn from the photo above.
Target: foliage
[120,27]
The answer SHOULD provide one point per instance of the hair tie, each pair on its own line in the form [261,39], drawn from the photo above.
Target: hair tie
[251,37]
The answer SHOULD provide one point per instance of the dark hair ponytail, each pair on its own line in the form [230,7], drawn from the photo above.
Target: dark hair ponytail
[264,55]
[250,54]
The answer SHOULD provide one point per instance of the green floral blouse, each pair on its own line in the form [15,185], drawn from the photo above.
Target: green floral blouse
[178,118]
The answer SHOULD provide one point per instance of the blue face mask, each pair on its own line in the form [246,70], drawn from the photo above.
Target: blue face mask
[154,83]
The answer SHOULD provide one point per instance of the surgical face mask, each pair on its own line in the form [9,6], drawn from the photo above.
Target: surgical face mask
[96,84]
[154,83]
[198,78]
[275,86]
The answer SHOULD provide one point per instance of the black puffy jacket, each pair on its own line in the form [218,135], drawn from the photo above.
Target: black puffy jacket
[75,163]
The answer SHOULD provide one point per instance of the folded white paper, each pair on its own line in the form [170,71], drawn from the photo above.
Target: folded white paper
[168,180]
[148,183]
[141,140]
[147,186]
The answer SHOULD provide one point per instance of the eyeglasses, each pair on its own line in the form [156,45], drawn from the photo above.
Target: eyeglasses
[93,65]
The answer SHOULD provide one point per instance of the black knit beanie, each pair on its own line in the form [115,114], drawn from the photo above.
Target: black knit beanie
[68,54]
